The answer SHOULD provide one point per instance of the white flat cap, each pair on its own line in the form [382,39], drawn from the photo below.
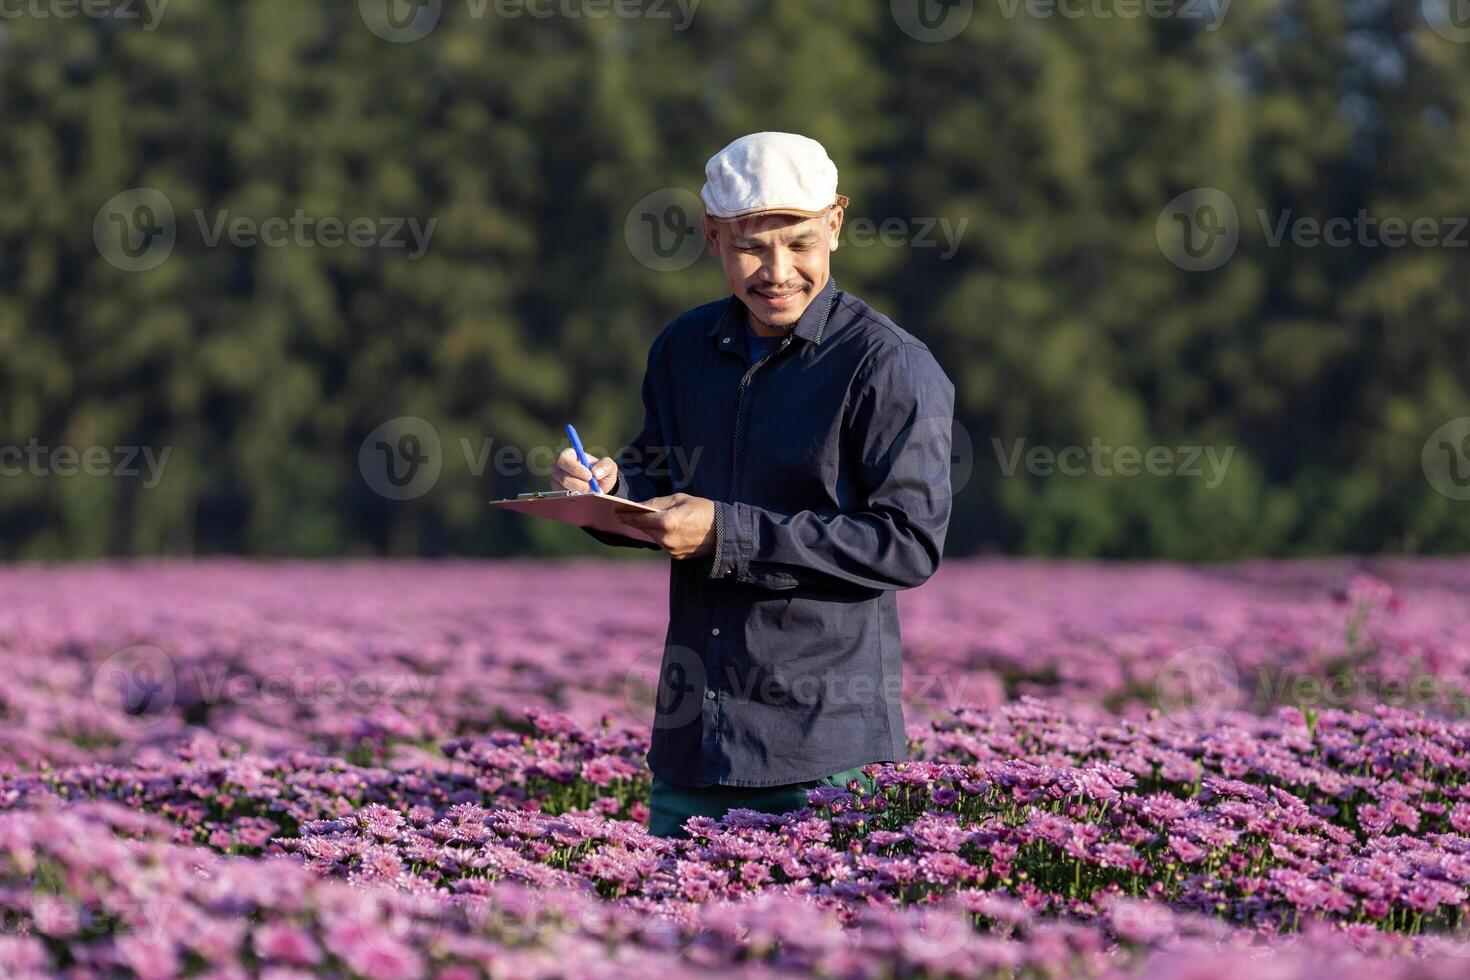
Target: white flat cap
[770,173]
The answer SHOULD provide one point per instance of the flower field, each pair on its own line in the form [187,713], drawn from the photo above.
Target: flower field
[413,769]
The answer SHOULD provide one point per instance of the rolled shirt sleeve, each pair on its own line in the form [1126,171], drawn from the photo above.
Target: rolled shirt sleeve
[900,425]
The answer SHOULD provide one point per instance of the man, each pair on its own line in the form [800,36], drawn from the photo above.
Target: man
[796,444]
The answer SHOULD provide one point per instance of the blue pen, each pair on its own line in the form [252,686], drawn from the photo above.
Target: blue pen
[582,457]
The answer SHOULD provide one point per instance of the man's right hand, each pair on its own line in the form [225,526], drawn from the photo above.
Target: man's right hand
[568,473]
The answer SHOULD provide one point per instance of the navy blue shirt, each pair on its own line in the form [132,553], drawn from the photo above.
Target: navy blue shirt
[756,346]
[828,463]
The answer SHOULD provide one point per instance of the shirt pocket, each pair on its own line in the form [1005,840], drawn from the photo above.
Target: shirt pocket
[772,579]
[820,637]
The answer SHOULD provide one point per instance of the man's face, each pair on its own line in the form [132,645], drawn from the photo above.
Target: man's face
[776,264]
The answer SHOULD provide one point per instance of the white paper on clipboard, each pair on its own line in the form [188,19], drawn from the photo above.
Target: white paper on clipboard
[594,510]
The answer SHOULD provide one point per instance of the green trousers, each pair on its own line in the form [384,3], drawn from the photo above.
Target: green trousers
[671,805]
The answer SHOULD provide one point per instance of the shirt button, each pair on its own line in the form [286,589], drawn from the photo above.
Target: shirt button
[709,695]
[725,341]
[715,631]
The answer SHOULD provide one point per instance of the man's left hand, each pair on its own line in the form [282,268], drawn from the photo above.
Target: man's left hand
[684,526]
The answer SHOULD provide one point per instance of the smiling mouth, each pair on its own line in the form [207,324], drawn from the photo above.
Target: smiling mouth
[777,296]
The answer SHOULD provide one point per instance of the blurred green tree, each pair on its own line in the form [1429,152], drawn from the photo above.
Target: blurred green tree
[1023,166]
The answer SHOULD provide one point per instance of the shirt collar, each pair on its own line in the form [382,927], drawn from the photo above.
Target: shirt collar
[809,326]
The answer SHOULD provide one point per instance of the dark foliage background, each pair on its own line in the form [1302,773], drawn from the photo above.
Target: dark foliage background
[1053,142]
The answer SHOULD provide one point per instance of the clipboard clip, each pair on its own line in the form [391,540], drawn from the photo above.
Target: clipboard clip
[536,494]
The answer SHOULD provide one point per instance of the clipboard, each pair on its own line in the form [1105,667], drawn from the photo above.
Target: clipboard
[594,510]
